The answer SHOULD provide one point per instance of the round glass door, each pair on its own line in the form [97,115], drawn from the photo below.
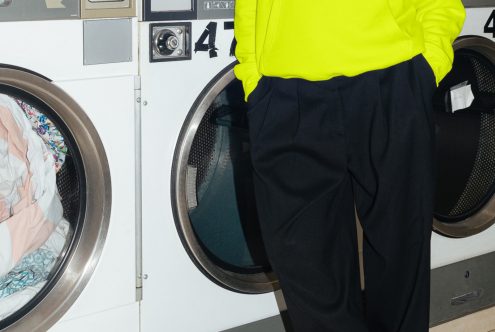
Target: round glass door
[48,277]
[212,190]
[465,141]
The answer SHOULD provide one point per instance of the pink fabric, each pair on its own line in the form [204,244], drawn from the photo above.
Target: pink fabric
[26,221]
[29,229]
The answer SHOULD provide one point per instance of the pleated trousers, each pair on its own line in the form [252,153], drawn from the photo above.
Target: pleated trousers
[323,151]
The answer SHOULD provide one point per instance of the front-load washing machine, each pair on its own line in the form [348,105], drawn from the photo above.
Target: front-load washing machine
[463,245]
[204,266]
[76,78]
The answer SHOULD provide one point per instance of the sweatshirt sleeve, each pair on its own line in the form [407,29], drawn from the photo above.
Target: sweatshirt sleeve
[442,21]
[244,31]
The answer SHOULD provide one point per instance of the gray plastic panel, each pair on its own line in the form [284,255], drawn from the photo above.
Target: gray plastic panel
[479,3]
[30,10]
[107,41]
[462,288]
[271,324]
[215,9]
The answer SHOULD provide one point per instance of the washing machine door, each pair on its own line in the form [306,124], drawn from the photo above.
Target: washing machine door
[212,190]
[83,183]
[465,140]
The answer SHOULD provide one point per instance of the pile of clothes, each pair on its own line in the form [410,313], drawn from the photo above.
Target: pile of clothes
[32,227]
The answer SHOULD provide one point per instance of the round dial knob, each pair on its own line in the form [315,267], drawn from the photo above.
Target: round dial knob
[166,42]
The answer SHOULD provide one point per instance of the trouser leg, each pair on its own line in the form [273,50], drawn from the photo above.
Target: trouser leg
[390,136]
[305,204]
[315,148]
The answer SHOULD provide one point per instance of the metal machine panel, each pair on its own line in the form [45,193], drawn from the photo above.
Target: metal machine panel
[107,41]
[462,288]
[27,10]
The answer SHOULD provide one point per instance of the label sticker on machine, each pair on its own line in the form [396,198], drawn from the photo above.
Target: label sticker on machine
[213,5]
[461,96]
[215,9]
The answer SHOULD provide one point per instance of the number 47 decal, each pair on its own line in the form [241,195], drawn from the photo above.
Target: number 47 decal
[210,32]
[490,24]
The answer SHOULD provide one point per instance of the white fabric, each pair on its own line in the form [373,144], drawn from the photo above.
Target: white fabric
[14,302]
[5,249]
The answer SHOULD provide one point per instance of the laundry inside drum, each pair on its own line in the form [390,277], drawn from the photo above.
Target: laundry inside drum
[39,201]
[219,182]
[465,140]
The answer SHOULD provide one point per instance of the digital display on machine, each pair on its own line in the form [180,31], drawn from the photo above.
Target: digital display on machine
[171,5]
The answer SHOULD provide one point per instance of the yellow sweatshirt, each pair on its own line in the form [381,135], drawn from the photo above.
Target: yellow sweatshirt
[320,39]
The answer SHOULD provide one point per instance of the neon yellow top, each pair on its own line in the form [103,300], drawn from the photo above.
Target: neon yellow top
[320,39]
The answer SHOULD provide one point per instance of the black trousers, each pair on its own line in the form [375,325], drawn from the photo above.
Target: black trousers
[323,150]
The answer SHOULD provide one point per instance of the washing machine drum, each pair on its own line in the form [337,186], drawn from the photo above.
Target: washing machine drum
[68,189]
[465,141]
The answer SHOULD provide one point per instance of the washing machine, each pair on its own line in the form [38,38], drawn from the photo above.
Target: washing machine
[204,265]
[463,245]
[79,76]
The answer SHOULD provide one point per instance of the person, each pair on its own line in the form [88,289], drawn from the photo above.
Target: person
[340,121]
